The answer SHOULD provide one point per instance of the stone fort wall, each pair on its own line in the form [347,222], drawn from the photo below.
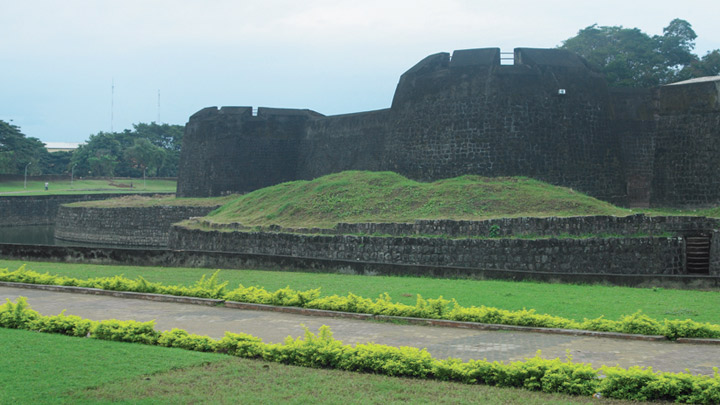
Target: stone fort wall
[547,116]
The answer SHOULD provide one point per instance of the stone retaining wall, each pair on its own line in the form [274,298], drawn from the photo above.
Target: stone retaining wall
[41,209]
[134,226]
[638,224]
[647,255]
[225,260]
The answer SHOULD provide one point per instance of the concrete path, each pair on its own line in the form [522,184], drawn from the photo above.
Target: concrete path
[440,342]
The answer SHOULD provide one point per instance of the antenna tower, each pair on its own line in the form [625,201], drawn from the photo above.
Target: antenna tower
[112,104]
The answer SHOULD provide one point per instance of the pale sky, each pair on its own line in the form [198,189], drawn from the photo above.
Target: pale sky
[59,59]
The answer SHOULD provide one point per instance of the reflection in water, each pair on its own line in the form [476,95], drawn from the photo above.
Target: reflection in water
[29,235]
[44,235]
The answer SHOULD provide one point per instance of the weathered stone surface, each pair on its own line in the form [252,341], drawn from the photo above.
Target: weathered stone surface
[647,255]
[547,116]
[41,210]
[134,226]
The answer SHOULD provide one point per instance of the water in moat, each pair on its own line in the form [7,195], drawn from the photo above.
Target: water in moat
[29,235]
[44,235]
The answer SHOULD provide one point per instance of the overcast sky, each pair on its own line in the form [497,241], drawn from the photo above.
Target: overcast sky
[59,59]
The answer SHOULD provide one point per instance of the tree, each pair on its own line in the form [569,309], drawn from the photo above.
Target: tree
[167,137]
[144,155]
[17,150]
[155,147]
[708,65]
[99,156]
[630,58]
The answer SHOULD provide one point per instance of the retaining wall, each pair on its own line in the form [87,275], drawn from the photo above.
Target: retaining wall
[522,226]
[42,209]
[135,226]
[225,260]
[648,255]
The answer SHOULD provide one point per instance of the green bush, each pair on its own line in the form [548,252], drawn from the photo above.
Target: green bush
[182,339]
[71,325]
[241,345]
[17,315]
[570,378]
[322,350]
[126,331]
[676,329]
[640,324]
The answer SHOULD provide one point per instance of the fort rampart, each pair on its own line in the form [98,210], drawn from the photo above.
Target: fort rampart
[547,116]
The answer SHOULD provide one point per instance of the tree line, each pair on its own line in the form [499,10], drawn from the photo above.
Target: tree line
[148,149]
[629,57]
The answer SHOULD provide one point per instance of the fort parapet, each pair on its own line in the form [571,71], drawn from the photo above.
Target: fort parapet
[548,116]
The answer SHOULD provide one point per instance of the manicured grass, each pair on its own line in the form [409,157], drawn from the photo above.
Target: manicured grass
[88,187]
[158,200]
[45,368]
[269,383]
[566,300]
[359,196]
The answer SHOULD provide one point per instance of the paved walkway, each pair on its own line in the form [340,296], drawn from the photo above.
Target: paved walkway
[440,342]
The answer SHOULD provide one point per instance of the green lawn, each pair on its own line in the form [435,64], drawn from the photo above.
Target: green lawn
[44,368]
[566,300]
[88,187]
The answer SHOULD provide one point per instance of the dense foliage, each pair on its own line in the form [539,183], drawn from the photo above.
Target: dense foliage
[152,149]
[631,58]
[18,150]
[323,351]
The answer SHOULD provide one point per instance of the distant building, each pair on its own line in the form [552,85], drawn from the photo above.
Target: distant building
[61,146]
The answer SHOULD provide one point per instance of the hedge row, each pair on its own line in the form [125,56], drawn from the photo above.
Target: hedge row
[439,308]
[323,351]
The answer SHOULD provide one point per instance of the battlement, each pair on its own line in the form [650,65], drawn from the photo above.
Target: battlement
[532,67]
[247,112]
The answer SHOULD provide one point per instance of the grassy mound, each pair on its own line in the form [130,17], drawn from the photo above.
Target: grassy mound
[360,196]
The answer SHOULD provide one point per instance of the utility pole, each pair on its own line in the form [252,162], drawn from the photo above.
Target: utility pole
[26,166]
[158,115]
[72,175]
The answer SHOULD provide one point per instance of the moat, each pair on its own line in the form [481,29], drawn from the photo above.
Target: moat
[43,235]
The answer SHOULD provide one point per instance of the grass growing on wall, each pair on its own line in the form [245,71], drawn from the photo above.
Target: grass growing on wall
[360,196]
[134,201]
[41,368]
[88,186]
[570,301]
